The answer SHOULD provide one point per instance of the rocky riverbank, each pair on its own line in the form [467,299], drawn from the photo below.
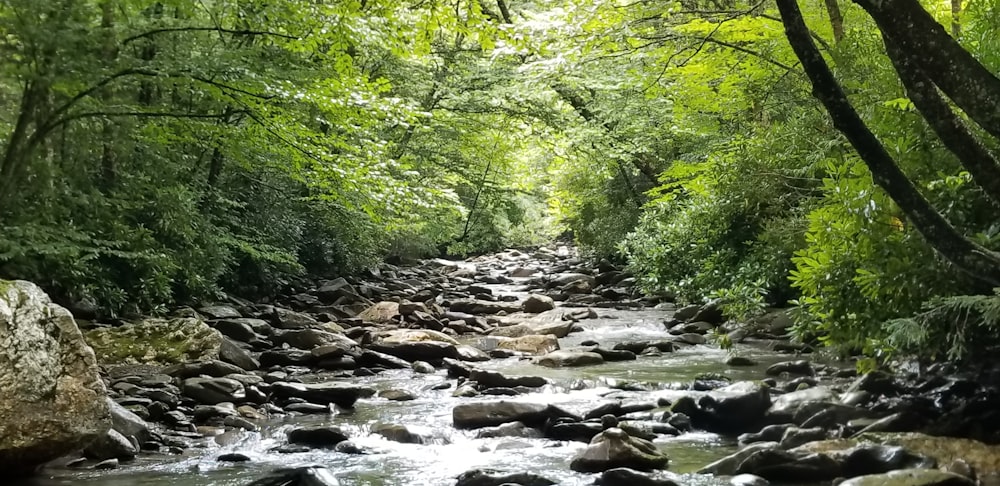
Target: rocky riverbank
[499,337]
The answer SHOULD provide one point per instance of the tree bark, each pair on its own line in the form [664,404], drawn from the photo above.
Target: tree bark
[836,20]
[949,127]
[965,254]
[965,80]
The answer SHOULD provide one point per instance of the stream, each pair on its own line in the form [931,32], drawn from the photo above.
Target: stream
[451,451]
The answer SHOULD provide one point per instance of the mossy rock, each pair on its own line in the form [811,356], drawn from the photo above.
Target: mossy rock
[155,341]
[984,458]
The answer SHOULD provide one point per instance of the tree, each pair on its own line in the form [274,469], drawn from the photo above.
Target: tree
[907,27]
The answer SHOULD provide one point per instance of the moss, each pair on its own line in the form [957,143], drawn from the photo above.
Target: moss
[155,341]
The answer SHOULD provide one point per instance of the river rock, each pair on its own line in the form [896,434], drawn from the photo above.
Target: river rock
[748,480]
[490,414]
[735,408]
[533,344]
[211,391]
[786,467]
[568,358]
[910,477]
[510,429]
[309,339]
[381,312]
[614,448]
[536,303]
[288,319]
[490,379]
[341,394]
[52,400]
[799,367]
[240,329]
[232,353]
[156,341]
[483,307]
[214,368]
[478,477]
[398,433]
[128,423]
[219,312]
[318,437]
[111,444]
[730,465]
[623,476]
[299,476]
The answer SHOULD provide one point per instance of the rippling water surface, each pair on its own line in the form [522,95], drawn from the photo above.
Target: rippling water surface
[452,451]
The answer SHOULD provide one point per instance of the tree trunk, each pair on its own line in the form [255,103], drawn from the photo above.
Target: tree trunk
[949,127]
[974,259]
[836,20]
[959,75]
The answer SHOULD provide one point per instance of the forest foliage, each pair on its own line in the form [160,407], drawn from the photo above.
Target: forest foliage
[158,152]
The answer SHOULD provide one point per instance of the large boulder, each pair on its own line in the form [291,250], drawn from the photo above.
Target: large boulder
[156,341]
[911,477]
[536,303]
[52,400]
[614,448]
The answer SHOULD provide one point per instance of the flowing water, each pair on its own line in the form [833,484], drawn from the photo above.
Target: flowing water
[452,451]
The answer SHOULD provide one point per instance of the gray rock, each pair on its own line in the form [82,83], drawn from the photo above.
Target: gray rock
[423,367]
[238,329]
[568,358]
[910,477]
[398,433]
[111,445]
[128,423]
[536,303]
[300,476]
[52,399]
[308,339]
[478,477]
[799,367]
[794,436]
[623,476]
[748,480]
[341,394]
[490,379]
[219,312]
[490,414]
[730,465]
[231,353]
[318,437]
[510,429]
[211,391]
[213,368]
[614,448]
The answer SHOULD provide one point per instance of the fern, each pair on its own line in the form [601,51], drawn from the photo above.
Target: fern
[955,326]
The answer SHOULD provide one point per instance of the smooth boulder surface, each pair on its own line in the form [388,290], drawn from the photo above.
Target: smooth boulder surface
[564,358]
[489,414]
[478,477]
[299,476]
[910,477]
[342,394]
[624,476]
[536,303]
[614,448]
[52,400]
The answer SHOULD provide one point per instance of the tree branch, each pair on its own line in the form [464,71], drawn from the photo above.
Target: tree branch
[151,33]
[965,254]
